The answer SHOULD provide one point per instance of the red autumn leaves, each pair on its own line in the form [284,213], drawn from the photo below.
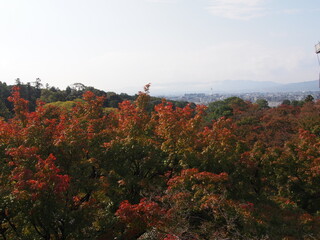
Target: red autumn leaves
[166,173]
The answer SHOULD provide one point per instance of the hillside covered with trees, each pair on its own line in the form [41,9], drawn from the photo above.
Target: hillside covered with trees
[63,98]
[232,170]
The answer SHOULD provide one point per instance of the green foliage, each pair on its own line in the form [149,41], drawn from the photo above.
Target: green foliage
[286,102]
[262,103]
[309,98]
[219,109]
[66,104]
[4,111]
[226,108]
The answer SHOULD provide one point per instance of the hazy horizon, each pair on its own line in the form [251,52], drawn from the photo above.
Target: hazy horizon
[121,45]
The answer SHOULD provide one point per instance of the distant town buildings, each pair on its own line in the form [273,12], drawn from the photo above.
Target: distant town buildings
[274,99]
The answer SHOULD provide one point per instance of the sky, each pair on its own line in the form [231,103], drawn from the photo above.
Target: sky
[121,45]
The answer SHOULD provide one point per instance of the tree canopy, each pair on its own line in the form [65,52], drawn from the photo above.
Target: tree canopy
[232,170]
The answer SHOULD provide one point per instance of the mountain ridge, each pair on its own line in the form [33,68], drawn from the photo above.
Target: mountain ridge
[245,86]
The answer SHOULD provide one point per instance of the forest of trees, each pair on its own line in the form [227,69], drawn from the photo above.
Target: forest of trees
[230,170]
[63,98]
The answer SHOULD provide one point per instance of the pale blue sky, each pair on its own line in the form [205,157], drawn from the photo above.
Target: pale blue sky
[120,45]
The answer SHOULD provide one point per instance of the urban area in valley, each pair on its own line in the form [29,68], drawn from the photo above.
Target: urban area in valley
[274,99]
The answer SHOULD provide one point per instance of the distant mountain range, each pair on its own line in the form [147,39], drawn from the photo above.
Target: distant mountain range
[265,86]
[233,86]
[295,87]
[243,86]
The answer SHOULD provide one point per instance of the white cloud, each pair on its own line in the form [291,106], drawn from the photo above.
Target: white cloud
[238,9]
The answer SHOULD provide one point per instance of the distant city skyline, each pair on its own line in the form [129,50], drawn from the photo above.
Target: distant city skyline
[121,45]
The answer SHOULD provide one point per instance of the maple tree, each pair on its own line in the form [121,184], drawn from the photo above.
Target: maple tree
[234,170]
